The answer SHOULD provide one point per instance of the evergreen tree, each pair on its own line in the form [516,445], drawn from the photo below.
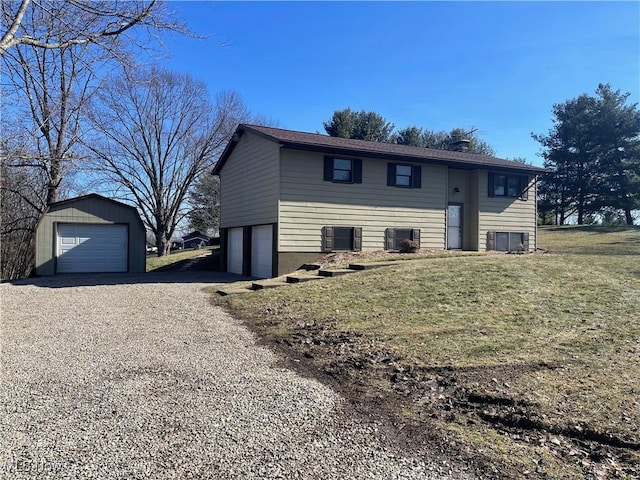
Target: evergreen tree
[359,125]
[593,154]
[204,200]
[418,137]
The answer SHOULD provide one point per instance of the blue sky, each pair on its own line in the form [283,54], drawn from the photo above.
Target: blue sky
[495,66]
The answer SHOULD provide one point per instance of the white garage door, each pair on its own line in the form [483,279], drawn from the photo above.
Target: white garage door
[261,251]
[84,248]
[234,250]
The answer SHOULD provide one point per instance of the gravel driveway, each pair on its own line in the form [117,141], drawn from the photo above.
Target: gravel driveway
[140,377]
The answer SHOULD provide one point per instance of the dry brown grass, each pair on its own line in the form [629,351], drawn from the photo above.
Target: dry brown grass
[176,257]
[525,362]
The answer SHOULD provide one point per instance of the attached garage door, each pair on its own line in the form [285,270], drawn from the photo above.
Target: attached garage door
[261,251]
[84,248]
[234,250]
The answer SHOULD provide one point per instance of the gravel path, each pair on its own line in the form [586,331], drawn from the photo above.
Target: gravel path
[145,379]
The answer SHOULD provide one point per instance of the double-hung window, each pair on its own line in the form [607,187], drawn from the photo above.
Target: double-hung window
[508,185]
[342,170]
[405,176]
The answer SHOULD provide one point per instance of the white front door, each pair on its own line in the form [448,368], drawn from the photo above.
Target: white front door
[261,251]
[87,248]
[454,227]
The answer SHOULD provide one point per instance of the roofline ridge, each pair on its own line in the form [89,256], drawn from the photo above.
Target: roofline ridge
[307,140]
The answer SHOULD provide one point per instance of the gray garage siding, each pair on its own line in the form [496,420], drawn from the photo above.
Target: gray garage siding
[90,209]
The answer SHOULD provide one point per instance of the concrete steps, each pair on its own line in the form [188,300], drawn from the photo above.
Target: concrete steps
[310,266]
[293,279]
[307,273]
[223,292]
[371,265]
[335,272]
[266,284]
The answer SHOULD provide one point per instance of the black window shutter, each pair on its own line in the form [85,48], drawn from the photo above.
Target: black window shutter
[391,174]
[416,175]
[492,189]
[327,239]
[389,238]
[328,169]
[357,239]
[356,164]
[524,187]
[416,235]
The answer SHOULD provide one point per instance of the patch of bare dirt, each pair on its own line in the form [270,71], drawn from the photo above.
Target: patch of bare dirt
[416,401]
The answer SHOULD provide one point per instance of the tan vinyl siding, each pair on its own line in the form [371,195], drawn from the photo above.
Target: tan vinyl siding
[90,210]
[503,214]
[249,183]
[307,203]
[473,209]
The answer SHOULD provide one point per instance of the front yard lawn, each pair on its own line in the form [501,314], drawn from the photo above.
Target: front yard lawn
[522,365]
[176,257]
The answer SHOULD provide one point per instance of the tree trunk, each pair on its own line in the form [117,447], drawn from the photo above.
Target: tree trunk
[164,246]
[628,216]
[54,182]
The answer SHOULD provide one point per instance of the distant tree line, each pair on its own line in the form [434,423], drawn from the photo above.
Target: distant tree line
[372,126]
[593,154]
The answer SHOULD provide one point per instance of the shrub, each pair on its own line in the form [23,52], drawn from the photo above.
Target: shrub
[408,246]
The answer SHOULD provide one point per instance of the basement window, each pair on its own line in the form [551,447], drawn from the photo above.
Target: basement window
[395,236]
[508,241]
[341,239]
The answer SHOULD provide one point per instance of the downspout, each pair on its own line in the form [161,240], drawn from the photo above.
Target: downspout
[535,198]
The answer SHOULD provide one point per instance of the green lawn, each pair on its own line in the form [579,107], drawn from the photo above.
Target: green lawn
[514,362]
[177,256]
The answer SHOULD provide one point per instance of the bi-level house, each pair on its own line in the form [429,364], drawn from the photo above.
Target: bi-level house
[288,198]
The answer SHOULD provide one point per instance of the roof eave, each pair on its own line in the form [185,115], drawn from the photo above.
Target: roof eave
[462,164]
[240,130]
[466,164]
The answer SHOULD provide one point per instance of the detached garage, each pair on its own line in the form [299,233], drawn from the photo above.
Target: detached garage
[90,234]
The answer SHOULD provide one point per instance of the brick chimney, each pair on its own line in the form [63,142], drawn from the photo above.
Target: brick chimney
[460,145]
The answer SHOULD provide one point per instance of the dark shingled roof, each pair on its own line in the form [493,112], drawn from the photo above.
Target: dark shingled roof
[61,203]
[347,146]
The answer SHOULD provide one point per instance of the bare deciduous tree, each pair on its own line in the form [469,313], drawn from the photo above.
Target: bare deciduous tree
[48,90]
[155,132]
[75,22]
[53,55]
[22,201]
[52,87]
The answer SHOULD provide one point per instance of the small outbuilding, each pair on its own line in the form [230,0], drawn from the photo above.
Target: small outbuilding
[195,239]
[90,234]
